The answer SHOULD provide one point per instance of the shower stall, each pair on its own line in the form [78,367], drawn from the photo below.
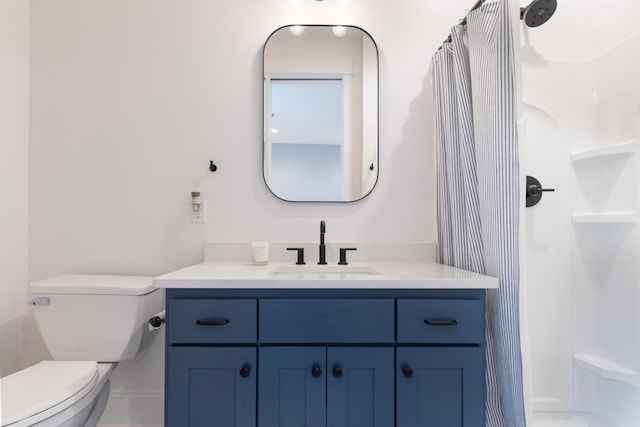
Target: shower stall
[581,94]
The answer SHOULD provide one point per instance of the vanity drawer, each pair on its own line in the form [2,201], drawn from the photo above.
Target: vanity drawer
[441,321]
[327,321]
[204,321]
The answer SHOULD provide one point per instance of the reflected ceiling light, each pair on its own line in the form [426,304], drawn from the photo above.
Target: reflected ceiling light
[274,130]
[339,30]
[296,30]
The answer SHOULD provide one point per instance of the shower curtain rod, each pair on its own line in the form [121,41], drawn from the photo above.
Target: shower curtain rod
[474,7]
[463,21]
[535,14]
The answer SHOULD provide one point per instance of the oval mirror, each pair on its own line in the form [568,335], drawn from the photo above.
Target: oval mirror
[320,113]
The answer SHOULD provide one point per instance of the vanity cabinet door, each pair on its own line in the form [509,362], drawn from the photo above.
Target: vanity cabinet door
[440,386]
[360,388]
[292,387]
[211,386]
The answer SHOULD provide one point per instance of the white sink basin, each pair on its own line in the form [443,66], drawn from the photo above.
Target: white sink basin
[339,270]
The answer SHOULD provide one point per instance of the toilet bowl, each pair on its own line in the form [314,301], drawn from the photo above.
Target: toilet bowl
[89,323]
[65,394]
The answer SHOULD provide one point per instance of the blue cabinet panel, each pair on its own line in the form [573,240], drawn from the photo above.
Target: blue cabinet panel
[207,386]
[292,387]
[360,387]
[208,321]
[327,321]
[441,321]
[440,386]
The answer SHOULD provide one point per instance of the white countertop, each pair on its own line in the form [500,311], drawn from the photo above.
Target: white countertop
[244,275]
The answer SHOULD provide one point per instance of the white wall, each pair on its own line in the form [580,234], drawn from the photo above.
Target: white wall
[130,101]
[14,123]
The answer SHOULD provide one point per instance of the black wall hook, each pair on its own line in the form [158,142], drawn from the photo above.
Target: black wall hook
[534,191]
[212,167]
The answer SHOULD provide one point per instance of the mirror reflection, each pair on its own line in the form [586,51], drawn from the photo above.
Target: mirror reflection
[320,113]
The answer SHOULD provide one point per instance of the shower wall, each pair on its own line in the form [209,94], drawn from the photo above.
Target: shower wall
[582,108]
[553,78]
[548,234]
[605,246]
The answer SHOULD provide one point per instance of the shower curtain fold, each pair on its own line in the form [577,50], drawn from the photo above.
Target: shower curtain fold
[478,186]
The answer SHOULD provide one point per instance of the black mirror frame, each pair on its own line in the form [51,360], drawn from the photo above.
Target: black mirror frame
[264,46]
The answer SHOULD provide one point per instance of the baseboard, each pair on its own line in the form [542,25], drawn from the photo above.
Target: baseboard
[134,409]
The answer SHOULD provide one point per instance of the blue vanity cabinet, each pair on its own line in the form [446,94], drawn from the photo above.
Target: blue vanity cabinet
[360,387]
[326,386]
[310,376]
[210,369]
[211,386]
[440,386]
[440,363]
[293,387]
[325,358]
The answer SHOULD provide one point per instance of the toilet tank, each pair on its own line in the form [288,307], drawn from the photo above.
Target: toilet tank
[92,317]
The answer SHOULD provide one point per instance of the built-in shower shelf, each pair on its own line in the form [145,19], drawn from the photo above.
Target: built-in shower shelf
[626,217]
[628,148]
[606,368]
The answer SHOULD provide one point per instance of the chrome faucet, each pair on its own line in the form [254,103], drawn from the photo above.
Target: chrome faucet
[323,254]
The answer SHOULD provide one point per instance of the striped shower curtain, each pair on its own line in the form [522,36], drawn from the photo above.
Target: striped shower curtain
[478,186]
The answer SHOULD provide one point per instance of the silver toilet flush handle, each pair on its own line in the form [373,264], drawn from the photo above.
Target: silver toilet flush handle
[40,301]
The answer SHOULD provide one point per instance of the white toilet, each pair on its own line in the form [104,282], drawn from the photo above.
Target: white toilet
[89,323]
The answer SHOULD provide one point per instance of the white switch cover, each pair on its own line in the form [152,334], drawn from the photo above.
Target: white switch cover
[200,216]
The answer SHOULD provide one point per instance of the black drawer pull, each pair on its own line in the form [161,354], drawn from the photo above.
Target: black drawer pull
[245,371]
[407,371]
[337,372]
[441,322]
[212,322]
[316,372]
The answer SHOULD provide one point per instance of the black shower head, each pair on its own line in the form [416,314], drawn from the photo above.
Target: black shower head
[538,12]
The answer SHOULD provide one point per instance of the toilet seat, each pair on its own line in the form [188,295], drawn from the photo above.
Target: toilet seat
[45,388]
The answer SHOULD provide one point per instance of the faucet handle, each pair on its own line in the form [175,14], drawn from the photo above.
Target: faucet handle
[300,255]
[343,255]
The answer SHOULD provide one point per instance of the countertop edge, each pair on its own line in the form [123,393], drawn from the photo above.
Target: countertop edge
[424,276]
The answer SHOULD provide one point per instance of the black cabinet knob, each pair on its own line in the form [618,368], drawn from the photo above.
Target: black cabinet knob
[316,372]
[407,371]
[337,372]
[245,371]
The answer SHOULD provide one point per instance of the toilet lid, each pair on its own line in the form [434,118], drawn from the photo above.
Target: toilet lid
[94,284]
[44,385]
